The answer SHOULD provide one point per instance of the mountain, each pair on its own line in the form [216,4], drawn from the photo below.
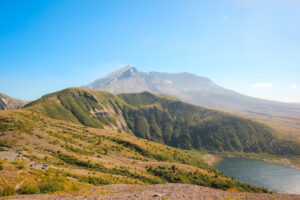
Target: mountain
[202,91]
[43,155]
[9,103]
[163,119]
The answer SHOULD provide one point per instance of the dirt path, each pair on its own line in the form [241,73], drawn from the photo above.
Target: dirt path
[156,192]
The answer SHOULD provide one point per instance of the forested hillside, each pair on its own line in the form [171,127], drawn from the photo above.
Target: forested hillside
[163,119]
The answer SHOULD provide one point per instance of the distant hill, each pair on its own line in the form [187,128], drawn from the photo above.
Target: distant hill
[9,103]
[202,91]
[163,119]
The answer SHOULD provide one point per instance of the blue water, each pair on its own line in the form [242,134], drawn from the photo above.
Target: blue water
[275,177]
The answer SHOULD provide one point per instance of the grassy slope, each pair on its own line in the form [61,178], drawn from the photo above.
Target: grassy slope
[164,120]
[86,107]
[187,126]
[93,157]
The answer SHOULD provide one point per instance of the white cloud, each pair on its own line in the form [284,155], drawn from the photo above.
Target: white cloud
[262,85]
[292,87]
[226,19]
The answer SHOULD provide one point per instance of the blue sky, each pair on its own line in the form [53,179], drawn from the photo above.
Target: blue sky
[251,46]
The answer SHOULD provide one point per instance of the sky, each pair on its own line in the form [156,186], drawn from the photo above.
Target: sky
[250,46]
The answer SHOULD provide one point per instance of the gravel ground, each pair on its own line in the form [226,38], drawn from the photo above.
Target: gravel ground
[155,192]
[7,155]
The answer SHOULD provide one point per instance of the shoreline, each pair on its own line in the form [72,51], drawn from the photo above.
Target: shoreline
[216,158]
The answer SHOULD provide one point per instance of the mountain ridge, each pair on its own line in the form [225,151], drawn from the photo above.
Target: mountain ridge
[9,103]
[162,119]
[204,92]
[130,71]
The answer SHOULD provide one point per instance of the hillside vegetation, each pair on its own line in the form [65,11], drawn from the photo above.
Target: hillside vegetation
[165,120]
[202,91]
[77,156]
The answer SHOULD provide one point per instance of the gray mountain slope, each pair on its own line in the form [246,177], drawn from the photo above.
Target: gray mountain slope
[200,91]
[9,103]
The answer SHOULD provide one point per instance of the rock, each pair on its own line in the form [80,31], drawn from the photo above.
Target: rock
[8,155]
[157,195]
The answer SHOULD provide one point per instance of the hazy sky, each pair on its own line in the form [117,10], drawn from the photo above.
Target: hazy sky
[251,46]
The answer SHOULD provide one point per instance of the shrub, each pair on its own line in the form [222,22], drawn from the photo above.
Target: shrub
[18,164]
[95,180]
[28,189]
[5,144]
[7,190]
[51,185]
[175,175]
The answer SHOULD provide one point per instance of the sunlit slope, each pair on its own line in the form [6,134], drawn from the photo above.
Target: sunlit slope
[82,156]
[163,119]
[9,103]
[202,91]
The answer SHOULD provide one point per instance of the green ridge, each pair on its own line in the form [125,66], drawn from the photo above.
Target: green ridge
[165,120]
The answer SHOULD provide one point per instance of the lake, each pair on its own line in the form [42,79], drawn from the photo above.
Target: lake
[275,177]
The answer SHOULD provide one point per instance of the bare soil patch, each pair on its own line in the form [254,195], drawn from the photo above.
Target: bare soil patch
[155,192]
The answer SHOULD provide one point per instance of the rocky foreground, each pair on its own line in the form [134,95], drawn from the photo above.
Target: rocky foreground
[162,191]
